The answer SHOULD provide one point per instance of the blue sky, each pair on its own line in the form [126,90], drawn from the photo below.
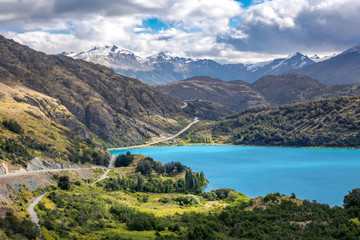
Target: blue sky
[226,30]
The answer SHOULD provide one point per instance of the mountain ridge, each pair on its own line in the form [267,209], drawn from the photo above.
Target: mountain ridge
[115,109]
[271,90]
[162,68]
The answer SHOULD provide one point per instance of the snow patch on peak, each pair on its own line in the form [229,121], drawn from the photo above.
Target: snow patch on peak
[355,49]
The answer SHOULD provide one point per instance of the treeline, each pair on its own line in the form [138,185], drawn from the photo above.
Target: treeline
[329,123]
[193,182]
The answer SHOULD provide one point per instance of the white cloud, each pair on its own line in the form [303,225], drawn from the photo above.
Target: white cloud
[198,28]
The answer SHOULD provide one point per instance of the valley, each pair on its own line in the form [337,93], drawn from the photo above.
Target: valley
[60,117]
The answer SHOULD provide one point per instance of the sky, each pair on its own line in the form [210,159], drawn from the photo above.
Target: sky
[244,31]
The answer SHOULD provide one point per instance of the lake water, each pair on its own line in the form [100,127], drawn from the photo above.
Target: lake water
[325,175]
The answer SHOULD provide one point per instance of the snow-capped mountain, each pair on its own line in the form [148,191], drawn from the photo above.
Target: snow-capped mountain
[162,68]
[343,68]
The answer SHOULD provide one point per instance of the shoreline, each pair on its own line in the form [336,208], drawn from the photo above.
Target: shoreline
[224,144]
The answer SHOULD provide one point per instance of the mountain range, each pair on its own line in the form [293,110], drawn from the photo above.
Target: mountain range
[272,90]
[162,68]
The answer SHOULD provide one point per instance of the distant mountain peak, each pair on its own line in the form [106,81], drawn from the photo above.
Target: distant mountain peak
[114,47]
[355,49]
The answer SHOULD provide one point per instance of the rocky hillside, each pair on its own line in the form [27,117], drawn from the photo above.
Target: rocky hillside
[207,110]
[272,90]
[341,69]
[32,128]
[106,106]
[331,122]
[236,95]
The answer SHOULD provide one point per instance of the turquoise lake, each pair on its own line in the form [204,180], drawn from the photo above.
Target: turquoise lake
[324,175]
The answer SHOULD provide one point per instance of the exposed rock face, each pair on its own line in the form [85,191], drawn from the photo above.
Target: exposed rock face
[42,164]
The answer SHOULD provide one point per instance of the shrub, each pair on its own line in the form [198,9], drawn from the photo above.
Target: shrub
[352,199]
[13,126]
[210,196]
[64,183]
[188,200]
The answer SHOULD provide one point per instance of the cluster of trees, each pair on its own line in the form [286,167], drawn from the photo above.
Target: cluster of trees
[85,151]
[329,122]
[124,160]
[193,182]
[195,138]
[147,165]
[16,228]
[20,150]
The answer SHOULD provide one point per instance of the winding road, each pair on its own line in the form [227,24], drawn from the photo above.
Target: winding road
[113,157]
[31,208]
[159,141]
[111,165]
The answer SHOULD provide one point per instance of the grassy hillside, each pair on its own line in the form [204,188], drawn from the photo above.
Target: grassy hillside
[29,127]
[322,123]
[117,109]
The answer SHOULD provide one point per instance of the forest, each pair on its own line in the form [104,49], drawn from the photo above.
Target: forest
[321,123]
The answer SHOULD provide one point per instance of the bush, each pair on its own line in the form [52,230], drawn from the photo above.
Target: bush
[223,193]
[352,199]
[164,200]
[271,197]
[64,183]
[210,196]
[13,126]
[188,200]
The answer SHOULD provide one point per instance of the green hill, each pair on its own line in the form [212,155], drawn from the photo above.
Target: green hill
[322,123]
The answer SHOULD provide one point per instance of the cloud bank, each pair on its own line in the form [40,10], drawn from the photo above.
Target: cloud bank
[189,28]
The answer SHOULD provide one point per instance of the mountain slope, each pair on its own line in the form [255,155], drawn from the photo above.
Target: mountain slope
[236,95]
[163,68]
[290,88]
[276,66]
[118,109]
[322,123]
[267,91]
[341,69]
[31,126]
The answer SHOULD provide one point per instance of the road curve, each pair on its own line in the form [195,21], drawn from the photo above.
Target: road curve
[31,209]
[111,165]
[159,141]
[184,106]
